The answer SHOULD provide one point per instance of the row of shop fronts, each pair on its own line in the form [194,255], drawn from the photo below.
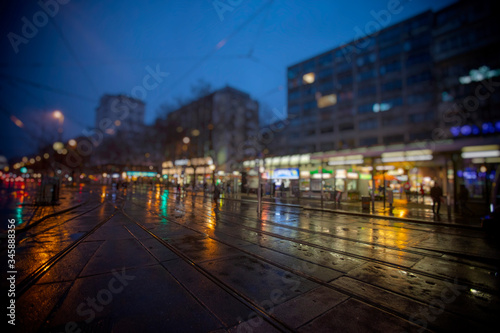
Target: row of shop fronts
[406,170]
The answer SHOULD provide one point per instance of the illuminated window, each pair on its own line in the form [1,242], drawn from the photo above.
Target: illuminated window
[327,100]
[308,78]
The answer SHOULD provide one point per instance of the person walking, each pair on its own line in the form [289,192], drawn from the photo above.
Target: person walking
[436,194]
[463,197]
[216,193]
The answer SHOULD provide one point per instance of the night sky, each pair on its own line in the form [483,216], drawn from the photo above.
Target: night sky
[90,48]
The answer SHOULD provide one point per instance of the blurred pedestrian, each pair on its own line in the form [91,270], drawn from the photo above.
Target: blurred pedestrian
[463,197]
[216,193]
[436,194]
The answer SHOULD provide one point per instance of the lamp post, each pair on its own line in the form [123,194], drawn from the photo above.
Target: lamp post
[186,141]
[59,116]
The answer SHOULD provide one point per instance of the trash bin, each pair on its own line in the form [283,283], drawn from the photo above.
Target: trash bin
[48,192]
[365,203]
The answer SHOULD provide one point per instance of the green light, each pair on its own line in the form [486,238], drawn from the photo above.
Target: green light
[23,170]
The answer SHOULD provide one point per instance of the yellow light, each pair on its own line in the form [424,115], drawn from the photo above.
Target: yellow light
[46,155]
[72,142]
[327,100]
[58,146]
[25,159]
[16,121]
[57,114]
[309,78]
[195,132]
[32,160]
[38,158]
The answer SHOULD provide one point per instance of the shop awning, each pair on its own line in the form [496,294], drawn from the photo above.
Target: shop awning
[324,171]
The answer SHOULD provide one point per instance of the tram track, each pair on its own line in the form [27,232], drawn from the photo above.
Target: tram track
[29,225]
[27,237]
[407,269]
[298,272]
[248,302]
[31,279]
[430,253]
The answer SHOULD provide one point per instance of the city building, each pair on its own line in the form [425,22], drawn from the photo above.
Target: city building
[119,113]
[414,103]
[209,136]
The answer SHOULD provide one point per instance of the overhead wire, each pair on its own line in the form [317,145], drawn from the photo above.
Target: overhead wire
[219,45]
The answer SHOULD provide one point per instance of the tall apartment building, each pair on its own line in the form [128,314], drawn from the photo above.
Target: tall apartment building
[421,97]
[397,85]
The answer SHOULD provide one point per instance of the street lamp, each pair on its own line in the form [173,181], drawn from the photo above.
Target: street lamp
[59,116]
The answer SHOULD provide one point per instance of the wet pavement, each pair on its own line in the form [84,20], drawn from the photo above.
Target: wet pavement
[148,259]
[18,201]
[420,211]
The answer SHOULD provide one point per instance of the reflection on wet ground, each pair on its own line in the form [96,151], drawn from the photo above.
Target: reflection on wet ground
[264,266]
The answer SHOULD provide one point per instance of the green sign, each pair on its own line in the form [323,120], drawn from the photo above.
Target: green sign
[324,171]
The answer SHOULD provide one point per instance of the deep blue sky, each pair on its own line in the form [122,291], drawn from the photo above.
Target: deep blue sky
[99,47]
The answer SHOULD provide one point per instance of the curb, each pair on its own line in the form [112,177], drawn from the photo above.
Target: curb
[377,216]
[402,219]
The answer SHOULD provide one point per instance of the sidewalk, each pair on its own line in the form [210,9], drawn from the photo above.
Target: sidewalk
[401,210]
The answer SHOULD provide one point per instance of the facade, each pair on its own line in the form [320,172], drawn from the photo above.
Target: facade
[209,135]
[120,113]
[415,97]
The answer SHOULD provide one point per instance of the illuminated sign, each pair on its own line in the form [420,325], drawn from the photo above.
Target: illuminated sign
[352,175]
[289,173]
[341,174]
[141,174]
[480,74]
[346,160]
[466,130]
[181,162]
